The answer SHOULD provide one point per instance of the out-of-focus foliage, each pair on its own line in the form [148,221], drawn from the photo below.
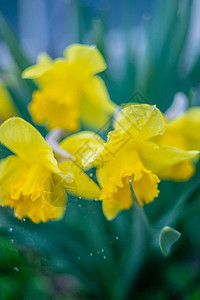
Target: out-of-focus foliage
[119,259]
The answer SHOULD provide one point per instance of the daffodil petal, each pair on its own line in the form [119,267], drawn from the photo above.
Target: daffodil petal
[163,158]
[192,125]
[87,58]
[179,172]
[96,109]
[7,107]
[119,200]
[40,197]
[101,173]
[44,63]
[183,132]
[116,198]
[146,189]
[85,146]
[10,170]
[119,163]
[114,176]
[140,120]
[49,206]
[25,141]
[45,109]
[78,182]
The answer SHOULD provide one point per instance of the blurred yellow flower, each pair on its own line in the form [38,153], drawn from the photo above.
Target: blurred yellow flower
[129,154]
[7,107]
[31,181]
[70,93]
[182,132]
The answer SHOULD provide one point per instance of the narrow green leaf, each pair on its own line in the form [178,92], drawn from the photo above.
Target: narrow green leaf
[98,35]
[168,236]
[191,97]
[20,59]
[12,44]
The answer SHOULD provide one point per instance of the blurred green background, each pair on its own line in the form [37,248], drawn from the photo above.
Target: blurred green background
[152,49]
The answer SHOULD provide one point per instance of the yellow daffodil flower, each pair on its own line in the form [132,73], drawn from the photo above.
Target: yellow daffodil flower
[70,93]
[182,132]
[31,180]
[7,107]
[128,154]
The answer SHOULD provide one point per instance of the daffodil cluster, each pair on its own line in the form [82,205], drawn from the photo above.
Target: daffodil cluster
[142,148]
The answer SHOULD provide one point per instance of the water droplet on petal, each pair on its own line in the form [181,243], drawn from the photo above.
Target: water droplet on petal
[69,178]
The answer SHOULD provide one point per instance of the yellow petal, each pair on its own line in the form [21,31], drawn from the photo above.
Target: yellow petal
[117,198]
[174,134]
[10,171]
[31,190]
[25,141]
[146,189]
[163,159]
[174,138]
[114,202]
[40,198]
[85,146]
[123,163]
[114,175]
[178,172]
[192,128]
[79,183]
[44,63]
[88,59]
[184,131]
[46,108]
[7,107]
[140,121]
[96,108]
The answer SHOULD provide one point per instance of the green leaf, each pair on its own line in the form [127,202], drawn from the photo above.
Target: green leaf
[20,59]
[12,44]
[191,97]
[168,236]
